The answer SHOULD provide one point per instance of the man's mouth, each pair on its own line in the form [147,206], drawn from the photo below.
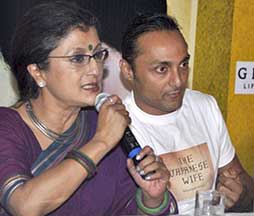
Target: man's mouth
[175,93]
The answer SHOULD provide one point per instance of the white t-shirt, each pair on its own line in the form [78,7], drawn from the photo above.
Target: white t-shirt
[193,141]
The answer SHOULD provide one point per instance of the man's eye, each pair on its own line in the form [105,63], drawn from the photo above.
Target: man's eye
[78,58]
[185,65]
[161,69]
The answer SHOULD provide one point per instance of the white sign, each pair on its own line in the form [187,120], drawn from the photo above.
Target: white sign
[244,77]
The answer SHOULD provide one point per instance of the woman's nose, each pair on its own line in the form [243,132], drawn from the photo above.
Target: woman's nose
[93,67]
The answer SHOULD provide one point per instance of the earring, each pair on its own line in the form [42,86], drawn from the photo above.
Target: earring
[41,84]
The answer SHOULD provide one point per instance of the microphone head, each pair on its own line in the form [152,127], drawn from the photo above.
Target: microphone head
[100,99]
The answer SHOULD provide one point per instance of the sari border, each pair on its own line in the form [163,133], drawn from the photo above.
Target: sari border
[58,150]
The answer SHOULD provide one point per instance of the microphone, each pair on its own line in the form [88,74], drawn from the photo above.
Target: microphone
[129,143]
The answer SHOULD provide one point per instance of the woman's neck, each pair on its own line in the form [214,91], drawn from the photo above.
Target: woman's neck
[55,117]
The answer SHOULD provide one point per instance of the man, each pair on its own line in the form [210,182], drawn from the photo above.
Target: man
[185,127]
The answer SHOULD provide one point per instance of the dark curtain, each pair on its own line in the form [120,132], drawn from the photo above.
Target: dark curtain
[113,15]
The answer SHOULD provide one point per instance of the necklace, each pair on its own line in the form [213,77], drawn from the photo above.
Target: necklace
[48,132]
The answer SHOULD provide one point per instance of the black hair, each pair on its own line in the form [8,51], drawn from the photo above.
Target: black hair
[140,25]
[38,33]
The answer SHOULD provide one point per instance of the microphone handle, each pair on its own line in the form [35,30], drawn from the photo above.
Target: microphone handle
[128,142]
[130,145]
[131,148]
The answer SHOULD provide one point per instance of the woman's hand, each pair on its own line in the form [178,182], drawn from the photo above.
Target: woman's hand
[112,121]
[156,177]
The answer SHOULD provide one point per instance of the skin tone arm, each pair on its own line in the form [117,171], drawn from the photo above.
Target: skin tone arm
[46,192]
[237,186]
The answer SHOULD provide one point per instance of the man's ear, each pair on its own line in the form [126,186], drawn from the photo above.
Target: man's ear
[37,75]
[126,70]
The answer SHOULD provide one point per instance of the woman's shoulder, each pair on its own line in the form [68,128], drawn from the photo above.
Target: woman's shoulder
[9,114]
[10,120]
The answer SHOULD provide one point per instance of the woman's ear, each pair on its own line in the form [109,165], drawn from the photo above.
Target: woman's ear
[126,70]
[37,75]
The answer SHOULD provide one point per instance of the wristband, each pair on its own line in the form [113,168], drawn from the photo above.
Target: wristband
[160,210]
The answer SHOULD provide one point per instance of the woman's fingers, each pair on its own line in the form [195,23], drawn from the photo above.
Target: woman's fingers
[151,166]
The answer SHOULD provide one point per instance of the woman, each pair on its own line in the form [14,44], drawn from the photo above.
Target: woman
[56,157]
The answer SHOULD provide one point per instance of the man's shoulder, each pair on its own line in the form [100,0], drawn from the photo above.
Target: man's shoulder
[197,97]
[200,102]
[197,94]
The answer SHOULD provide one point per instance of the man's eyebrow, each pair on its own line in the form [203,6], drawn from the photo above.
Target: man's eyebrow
[186,58]
[161,62]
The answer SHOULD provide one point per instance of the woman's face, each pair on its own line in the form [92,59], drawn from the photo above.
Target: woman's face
[69,80]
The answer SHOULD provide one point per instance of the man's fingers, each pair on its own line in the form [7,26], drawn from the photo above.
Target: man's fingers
[231,190]
[233,185]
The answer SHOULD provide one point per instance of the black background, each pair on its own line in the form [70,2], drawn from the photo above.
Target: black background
[113,15]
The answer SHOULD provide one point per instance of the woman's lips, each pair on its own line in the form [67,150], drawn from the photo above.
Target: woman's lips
[90,87]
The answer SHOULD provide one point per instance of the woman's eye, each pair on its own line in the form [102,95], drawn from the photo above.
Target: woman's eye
[98,55]
[77,58]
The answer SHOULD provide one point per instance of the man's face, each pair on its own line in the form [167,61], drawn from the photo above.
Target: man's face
[160,72]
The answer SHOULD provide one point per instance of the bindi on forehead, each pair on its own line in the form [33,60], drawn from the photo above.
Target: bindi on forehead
[90,47]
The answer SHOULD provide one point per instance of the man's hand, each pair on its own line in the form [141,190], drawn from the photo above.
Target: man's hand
[237,186]
[230,184]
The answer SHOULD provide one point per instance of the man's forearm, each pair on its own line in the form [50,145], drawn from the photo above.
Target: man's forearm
[246,200]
